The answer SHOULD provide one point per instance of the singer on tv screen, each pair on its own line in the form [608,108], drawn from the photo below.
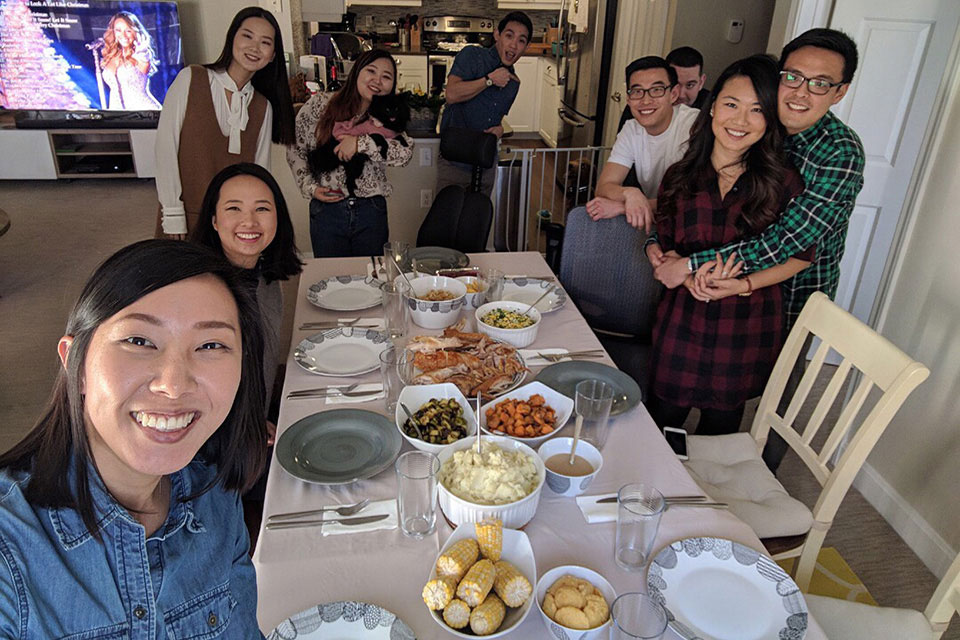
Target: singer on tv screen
[79,56]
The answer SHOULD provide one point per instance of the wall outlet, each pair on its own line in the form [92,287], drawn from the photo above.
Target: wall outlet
[426,197]
[426,156]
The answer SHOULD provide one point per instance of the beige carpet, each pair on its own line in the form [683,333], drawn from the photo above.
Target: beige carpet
[61,230]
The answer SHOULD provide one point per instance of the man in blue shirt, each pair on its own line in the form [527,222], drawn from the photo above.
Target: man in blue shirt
[480,90]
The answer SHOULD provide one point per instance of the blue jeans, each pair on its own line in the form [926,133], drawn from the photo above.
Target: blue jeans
[351,227]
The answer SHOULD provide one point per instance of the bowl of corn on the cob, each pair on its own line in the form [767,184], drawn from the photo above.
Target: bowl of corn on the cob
[482,581]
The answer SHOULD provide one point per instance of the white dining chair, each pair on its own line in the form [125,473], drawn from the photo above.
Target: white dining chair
[729,467]
[845,620]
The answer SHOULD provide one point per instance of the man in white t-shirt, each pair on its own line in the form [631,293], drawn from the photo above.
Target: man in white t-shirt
[653,140]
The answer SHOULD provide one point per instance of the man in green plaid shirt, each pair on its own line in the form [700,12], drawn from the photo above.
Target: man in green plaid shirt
[816,70]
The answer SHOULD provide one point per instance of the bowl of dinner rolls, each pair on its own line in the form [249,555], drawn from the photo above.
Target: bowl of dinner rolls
[574,602]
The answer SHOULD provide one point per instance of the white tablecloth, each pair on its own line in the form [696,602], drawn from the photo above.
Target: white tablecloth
[297,568]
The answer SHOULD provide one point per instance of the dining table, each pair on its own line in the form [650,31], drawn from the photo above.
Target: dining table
[298,568]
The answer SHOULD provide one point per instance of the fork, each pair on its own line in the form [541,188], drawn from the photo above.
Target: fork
[557,357]
[346,510]
[332,393]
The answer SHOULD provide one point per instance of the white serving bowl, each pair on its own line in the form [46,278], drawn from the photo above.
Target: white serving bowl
[474,300]
[418,395]
[556,629]
[561,404]
[513,514]
[436,315]
[518,552]
[518,338]
[570,485]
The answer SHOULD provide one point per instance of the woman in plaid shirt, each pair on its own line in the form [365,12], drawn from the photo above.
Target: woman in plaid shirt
[732,183]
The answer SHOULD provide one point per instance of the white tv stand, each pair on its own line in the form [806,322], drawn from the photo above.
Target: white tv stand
[50,154]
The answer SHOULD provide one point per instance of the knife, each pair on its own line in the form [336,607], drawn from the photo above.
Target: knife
[314,523]
[666,499]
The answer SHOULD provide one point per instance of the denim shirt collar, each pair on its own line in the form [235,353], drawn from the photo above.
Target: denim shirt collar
[72,532]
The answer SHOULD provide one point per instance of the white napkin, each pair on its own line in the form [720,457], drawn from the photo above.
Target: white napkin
[373,509]
[531,356]
[595,513]
[372,386]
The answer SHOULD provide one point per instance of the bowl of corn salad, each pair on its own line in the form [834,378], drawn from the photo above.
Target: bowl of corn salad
[505,320]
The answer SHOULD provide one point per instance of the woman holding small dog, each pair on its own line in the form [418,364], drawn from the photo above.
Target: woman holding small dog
[344,224]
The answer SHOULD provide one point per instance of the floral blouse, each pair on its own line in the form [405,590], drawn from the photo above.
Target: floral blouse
[373,180]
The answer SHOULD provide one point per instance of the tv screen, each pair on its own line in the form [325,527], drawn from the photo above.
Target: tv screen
[70,55]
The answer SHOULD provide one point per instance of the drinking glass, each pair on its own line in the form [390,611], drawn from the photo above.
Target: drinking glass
[492,280]
[395,257]
[393,296]
[593,399]
[634,616]
[390,373]
[639,508]
[417,493]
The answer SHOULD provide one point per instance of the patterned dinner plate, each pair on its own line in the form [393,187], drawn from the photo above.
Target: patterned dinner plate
[715,589]
[527,290]
[345,351]
[345,293]
[337,620]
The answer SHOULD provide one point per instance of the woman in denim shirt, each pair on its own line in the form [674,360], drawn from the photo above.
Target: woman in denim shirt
[120,513]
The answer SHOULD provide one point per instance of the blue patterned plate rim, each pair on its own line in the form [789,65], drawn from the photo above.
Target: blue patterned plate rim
[363,620]
[766,576]
[558,295]
[346,282]
[359,335]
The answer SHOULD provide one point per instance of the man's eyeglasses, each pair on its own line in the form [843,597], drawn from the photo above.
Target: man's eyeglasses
[816,86]
[656,91]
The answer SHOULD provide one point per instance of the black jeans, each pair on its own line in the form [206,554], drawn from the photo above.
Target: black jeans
[713,422]
[350,227]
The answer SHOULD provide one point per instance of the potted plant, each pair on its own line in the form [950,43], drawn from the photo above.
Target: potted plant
[424,109]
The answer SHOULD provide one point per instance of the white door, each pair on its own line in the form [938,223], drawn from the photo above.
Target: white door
[904,49]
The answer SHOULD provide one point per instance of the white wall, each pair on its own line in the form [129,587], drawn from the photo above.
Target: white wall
[203,25]
[702,24]
[915,463]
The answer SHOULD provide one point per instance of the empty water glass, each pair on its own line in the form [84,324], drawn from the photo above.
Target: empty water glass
[393,296]
[395,257]
[636,616]
[593,399]
[639,508]
[417,493]
[492,281]
[390,368]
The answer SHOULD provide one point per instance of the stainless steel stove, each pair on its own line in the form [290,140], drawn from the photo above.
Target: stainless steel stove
[444,36]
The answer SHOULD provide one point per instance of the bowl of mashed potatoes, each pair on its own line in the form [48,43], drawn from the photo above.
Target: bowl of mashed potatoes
[503,481]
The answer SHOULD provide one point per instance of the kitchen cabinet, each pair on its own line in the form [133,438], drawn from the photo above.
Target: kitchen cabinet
[529,4]
[525,112]
[411,72]
[549,102]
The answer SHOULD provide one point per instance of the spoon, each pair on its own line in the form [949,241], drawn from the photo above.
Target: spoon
[542,296]
[413,420]
[576,437]
[346,510]
[478,422]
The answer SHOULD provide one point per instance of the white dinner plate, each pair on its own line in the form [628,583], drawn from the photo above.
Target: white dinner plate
[518,552]
[715,589]
[345,351]
[527,290]
[340,620]
[345,293]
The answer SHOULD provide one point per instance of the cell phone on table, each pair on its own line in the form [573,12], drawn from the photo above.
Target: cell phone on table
[677,439]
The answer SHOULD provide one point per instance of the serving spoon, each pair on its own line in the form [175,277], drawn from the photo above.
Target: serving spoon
[413,421]
[542,296]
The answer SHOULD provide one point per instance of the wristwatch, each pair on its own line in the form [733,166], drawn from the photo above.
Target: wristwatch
[489,81]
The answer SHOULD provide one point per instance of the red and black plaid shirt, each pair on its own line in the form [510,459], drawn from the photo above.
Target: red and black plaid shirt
[720,354]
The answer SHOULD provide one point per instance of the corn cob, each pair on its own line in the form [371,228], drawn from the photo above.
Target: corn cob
[457,559]
[511,585]
[477,583]
[456,614]
[488,617]
[439,592]
[490,536]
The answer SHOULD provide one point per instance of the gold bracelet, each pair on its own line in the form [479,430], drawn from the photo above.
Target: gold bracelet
[749,288]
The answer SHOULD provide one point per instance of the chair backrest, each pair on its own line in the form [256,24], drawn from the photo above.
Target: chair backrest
[879,365]
[476,218]
[946,600]
[606,272]
[439,227]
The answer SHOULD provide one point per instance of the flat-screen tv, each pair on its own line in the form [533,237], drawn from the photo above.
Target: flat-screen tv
[76,56]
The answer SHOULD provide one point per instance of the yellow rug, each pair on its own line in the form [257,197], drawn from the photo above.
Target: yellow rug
[834,578]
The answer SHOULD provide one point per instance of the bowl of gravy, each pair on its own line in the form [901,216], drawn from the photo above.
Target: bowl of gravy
[568,479]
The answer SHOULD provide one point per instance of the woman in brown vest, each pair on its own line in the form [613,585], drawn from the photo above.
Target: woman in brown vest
[215,116]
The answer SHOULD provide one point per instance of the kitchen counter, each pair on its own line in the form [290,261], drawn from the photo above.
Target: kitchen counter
[397,50]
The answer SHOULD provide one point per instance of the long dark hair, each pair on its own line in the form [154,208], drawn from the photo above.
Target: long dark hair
[271,81]
[765,165]
[279,260]
[345,103]
[59,438]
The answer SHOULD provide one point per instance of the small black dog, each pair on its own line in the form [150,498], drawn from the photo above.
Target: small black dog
[392,111]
